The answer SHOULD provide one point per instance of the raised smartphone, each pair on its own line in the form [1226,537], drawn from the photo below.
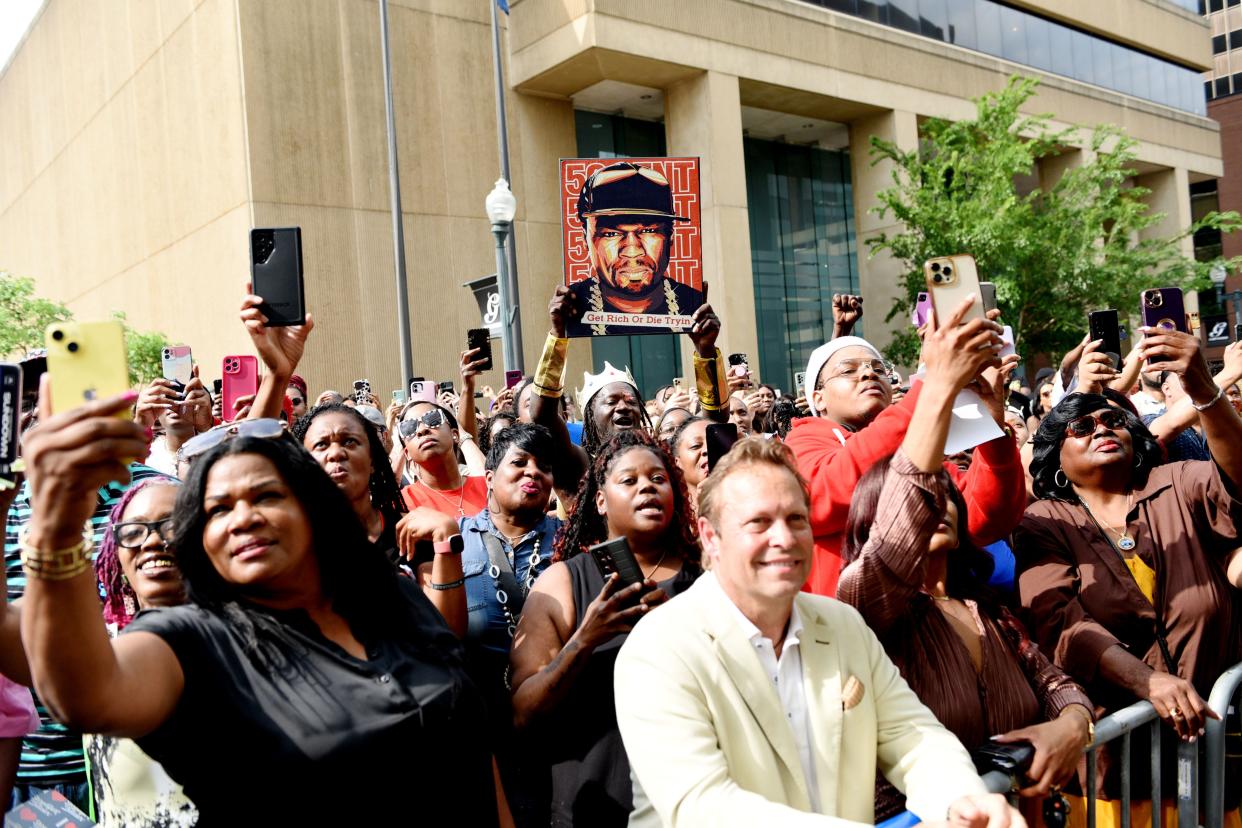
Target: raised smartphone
[987,295]
[362,390]
[276,274]
[512,378]
[950,280]
[398,396]
[720,438]
[922,310]
[241,379]
[799,383]
[1105,326]
[445,387]
[480,338]
[178,365]
[10,415]
[615,556]
[422,390]
[87,361]
[1164,309]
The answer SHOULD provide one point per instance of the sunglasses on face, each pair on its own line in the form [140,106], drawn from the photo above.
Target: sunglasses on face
[264,429]
[133,534]
[1082,426]
[432,419]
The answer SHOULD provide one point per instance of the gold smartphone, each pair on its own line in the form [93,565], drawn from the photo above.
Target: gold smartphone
[950,280]
[86,361]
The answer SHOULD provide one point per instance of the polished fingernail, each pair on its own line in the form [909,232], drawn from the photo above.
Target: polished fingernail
[130,396]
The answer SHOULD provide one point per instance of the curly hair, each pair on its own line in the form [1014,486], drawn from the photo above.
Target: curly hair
[780,417]
[592,440]
[1046,461]
[485,430]
[385,492]
[586,526]
[108,570]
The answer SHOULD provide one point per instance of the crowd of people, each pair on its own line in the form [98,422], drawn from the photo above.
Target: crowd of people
[318,610]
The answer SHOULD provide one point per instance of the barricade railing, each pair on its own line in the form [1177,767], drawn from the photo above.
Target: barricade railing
[1124,722]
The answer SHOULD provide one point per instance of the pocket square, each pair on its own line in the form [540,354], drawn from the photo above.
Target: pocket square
[852,693]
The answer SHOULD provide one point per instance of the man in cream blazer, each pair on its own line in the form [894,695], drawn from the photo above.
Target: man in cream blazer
[747,702]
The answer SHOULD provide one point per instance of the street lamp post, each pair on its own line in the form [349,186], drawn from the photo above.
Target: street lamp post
[501,207]
[1219,275]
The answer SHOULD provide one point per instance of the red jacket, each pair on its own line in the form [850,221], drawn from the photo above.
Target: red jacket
[833,460]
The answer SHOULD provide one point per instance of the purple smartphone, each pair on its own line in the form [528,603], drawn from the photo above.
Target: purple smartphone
[1163,308]
[922,310]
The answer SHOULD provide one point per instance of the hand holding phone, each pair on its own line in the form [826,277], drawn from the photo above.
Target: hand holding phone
[276,274]
[241,379]
[949,281]
[87,361]
[1165,310]
[480,339]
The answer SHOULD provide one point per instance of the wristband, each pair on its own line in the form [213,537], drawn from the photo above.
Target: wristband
[450,585]
[452,546]
[710,381]
[549,379]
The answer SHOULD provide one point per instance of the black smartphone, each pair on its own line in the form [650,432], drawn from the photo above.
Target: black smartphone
[10,414]
[445,387]
[987,296]
[1237,333]
[217,387]
[276,274]
[1104,325]
[615,556]
[480,338]
[33,369]
[720,438]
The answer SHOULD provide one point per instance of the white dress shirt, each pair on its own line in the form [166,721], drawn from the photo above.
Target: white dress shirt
[785,674]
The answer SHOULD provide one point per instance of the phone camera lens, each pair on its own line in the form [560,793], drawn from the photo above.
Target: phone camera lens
[936,278]
[58,334]
[948,271]
[935,267]
[72,347]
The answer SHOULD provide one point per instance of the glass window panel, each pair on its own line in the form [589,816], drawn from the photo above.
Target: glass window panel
[1222,87]
[1038,48]
[876,10]
[1235,39]
[1013,35]
[1101,62]
[1121,80]
[847,6]
[988,28]
[1215,5]
[1084,70]
[1207,90]
[1140,74]
[1218,44]
[962,23]
[1060,42]
[1156,81]
[904,14]
[934,19]
[1233,2]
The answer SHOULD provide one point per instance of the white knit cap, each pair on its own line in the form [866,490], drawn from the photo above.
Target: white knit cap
[821,355]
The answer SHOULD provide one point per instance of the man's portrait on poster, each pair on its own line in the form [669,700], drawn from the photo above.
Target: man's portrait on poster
[633,254]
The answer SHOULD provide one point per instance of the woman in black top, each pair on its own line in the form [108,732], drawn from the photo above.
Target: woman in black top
[307,682]
[348,447]
[574,623]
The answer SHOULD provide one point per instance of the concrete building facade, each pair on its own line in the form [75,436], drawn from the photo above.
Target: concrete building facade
[144,139]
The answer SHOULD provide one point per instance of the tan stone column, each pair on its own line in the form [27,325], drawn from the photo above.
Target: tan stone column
[880,278]
[1170,194]
[703,117]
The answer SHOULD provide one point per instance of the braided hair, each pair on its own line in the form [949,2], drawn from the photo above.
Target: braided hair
[385,493]
[592,440]
[116,608]
[586,526]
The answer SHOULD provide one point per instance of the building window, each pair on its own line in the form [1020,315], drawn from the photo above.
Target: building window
[1015,34]
[1222,87]
[1219,45]
[654,359]
[802,250]
[1235,39]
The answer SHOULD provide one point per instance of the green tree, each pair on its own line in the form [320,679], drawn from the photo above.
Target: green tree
[1054,254]
[23,316]
[144,350]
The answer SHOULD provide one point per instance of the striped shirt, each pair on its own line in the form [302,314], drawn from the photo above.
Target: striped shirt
[52,755]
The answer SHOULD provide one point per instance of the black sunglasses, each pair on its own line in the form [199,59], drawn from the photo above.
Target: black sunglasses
[1084,425]
[432,419]
[264,429]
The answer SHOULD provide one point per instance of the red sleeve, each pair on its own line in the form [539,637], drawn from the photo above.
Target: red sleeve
[994,488]
[833,468]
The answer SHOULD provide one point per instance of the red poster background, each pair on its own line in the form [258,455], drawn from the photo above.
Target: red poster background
[685,262]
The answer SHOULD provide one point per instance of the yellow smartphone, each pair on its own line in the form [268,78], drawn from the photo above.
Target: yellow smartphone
[86,361]
[950,280]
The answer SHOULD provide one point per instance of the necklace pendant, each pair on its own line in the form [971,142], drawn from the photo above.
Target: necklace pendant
[1126,543]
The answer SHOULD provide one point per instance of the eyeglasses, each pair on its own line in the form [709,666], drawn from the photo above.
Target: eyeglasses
[133,534]
[1084,425]
[432,419]
[264,429]
[852,368]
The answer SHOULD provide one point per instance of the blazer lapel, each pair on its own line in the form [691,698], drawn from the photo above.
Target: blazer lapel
[823,682]
[743,668]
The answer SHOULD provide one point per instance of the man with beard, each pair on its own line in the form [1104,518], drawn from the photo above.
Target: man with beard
[627,215]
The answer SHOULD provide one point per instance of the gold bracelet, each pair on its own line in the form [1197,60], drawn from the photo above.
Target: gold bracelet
[1086,716]
[710,381]
[549,379]
[58,565]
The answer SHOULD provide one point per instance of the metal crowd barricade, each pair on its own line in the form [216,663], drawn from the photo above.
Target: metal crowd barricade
[1124,722]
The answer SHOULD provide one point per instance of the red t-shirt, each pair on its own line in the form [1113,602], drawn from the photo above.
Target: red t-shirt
[467,501]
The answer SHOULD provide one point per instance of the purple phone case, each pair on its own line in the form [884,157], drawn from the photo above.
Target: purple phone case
[922,310]
[1170,315]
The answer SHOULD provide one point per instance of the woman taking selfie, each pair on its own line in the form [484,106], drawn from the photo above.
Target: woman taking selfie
[429,434]
[1129,569]
[303,664]
[921,585]
[574,622]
